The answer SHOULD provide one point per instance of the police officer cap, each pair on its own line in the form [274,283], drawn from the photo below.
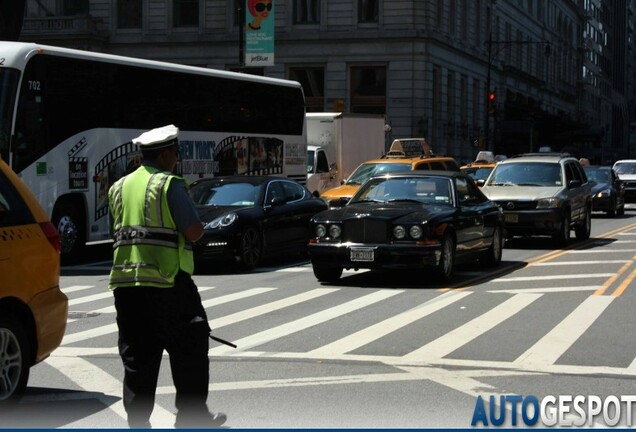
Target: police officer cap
[158,138]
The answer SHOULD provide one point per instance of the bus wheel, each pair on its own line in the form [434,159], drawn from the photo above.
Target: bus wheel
[70,226]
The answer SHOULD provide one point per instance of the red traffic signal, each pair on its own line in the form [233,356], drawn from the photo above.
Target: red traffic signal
[492,105]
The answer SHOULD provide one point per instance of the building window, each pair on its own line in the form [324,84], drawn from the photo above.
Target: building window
[313,81]
[368,11]
[128,14]
[306,11]
[185,13]
[368,89]
[74,7]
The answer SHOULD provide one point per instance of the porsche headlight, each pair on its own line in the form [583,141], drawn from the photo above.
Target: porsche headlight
[416,231]
[335,231]
[321,231]
[222,221]
[399,232]
[548,203]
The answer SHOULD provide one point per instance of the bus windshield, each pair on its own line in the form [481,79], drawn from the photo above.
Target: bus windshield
[8,88]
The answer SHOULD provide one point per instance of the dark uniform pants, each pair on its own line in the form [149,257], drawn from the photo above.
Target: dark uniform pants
[151,320]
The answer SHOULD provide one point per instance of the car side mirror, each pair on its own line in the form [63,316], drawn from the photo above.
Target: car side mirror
[480,182]
[340,202]
[277,202]
[574,184]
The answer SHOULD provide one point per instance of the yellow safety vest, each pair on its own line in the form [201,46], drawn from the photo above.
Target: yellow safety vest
[149,250]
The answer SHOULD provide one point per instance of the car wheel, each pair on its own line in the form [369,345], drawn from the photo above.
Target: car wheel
[446,265]
[327,273]
[583,229]
[492,256]
[67,220]
[14,359]
[562,237]
[621,210]
[251,248]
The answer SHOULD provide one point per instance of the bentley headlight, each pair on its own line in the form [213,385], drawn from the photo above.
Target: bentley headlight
[399,232]
[416,231]
[548,203]
[335,231]
[321,231]
[222,221]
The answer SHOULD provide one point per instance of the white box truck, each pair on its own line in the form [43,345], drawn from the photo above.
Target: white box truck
[337,143]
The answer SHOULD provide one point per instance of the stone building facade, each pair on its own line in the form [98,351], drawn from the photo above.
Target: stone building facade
[424,64]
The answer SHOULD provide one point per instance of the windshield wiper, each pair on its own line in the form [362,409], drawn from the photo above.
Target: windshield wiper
[404,200]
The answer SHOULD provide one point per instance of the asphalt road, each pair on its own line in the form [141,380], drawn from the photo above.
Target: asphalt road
[375,350]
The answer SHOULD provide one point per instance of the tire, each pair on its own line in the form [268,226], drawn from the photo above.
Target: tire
[251,249]
[14,359]
[562,237]
[621,210]
[583,229]
[326,273]
[492,257]
[70,225]
[446,265]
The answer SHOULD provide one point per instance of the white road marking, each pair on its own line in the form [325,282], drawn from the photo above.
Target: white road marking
[553,277]
[550,290]
[383,328]
[76,288]
[600,251]
[305,322]
[573,263]
[103,387]
[556,342]
[464,334]
[269,307]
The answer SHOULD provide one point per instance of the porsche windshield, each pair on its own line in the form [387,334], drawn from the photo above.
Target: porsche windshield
[224,194]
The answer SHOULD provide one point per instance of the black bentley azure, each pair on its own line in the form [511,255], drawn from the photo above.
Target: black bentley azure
[408,220]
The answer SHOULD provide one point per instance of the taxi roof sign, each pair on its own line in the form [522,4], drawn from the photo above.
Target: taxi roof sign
[409,148]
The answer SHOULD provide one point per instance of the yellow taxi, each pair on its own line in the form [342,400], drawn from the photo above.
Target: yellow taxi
[407,154]
[33,309]
[480,169]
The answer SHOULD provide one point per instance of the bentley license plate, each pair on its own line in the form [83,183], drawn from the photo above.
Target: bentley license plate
[362,254]
[511,218]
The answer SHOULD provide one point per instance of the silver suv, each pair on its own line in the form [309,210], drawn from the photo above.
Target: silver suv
[542,194]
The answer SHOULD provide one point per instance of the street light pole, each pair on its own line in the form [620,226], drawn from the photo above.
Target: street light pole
[487,96]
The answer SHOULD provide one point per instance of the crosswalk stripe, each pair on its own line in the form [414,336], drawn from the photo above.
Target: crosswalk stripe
[111,308]
[104,387]
[269,307]
[75,288]
[90,298]
[550,290]
[383,328]
[305,322]
[574,263]
[112,328]
[556,342]
[553,277]
[464,334]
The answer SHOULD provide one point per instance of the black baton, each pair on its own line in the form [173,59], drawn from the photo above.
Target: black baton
[223,341]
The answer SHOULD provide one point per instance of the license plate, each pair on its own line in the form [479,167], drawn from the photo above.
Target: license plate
[511,218]
[362,254]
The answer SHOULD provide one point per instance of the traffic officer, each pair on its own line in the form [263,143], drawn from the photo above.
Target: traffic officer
[158,305]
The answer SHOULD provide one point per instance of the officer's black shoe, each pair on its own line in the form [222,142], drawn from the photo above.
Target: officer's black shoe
[196,421]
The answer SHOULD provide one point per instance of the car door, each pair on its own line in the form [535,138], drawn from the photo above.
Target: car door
[276,217]
[301,210]
[575,194]
[470,223]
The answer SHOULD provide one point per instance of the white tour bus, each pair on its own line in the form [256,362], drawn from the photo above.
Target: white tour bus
[67,118]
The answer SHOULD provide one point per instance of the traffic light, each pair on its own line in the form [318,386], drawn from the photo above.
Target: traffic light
[492,103]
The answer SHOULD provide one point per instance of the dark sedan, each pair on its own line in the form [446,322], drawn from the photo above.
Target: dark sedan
[608,193]
[408,220]
[248,217]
